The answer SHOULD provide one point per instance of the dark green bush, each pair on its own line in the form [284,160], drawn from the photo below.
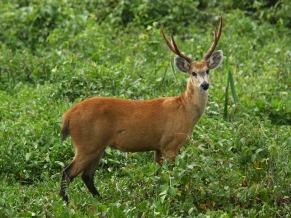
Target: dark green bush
[30,23]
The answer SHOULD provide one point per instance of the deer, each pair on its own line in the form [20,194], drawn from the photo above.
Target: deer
[161,125]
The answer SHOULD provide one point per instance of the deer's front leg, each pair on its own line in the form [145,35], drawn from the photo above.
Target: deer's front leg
[159,157]
[170,152]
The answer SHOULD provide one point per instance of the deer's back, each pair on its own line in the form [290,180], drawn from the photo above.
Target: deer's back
[129,125]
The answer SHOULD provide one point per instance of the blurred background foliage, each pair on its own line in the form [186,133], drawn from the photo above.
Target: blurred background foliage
[30,22]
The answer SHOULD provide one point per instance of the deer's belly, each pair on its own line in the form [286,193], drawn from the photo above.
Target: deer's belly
[134,140]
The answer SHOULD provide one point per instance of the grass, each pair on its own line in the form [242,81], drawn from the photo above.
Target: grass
[234,167]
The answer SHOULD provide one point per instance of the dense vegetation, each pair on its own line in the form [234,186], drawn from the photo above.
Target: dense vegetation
[55,53]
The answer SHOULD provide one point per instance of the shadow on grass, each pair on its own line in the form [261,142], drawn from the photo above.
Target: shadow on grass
[280,118]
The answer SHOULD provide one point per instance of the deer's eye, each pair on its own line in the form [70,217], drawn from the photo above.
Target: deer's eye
[207,71]
[194,74]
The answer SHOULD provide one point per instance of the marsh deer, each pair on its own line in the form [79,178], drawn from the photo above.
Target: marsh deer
[161,125]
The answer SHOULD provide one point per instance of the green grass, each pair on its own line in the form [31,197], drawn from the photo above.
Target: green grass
[238,166]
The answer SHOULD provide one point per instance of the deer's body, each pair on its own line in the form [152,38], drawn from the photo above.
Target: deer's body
[161,125]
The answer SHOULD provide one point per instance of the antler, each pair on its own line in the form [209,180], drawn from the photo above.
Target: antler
[174,48]
[217,34]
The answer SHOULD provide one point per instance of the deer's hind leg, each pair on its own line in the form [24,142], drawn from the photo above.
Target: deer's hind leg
[79,164]
[89,172]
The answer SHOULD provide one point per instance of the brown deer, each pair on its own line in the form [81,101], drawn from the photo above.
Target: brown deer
[161,125]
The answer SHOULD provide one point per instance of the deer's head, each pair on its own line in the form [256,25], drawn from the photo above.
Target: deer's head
[198,70]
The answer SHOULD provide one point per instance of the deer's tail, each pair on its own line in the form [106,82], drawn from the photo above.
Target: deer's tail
[65,130]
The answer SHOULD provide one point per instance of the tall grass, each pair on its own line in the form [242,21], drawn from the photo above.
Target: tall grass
[229,83]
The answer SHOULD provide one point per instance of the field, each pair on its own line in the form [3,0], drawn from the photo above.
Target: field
[56,53]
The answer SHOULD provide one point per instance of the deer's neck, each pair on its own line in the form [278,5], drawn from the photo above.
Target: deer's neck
[194,100]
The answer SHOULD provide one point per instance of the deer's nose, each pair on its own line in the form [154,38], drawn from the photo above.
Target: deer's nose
[205,85]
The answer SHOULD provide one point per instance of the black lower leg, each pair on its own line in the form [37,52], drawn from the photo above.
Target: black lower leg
[89,182]
[88,175]
[65,183]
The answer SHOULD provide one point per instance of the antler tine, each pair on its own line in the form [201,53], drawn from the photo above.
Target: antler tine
[179,53]
[167,41]
[173,47]
[217,34]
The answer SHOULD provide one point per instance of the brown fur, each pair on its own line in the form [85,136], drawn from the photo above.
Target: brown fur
[161,125]
[198,66]
[65,129]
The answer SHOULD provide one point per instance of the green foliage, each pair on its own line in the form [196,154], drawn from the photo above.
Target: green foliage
[229,83]
[55,53]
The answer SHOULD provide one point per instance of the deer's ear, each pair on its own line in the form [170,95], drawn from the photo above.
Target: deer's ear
[182,64]
[215,59]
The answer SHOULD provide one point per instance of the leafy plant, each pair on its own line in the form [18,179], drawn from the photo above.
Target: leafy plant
[229,83]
